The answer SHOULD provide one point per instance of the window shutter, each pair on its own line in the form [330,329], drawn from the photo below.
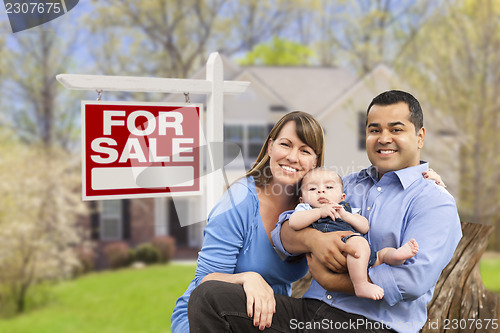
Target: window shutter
[126,218]
[94,220]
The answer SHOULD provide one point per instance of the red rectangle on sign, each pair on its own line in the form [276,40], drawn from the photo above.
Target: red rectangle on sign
[138,150]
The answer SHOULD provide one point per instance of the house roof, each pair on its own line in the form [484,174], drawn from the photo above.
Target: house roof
[352,89]
[303,88]
[317,90]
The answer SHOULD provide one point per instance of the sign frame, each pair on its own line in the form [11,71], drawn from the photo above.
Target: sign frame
[147,192]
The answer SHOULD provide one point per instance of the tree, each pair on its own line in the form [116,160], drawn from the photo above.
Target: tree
[170,38]
[40,178]
[247,23]
[38,215]
[455,63]
[279,52]
[33,104]
[361,34]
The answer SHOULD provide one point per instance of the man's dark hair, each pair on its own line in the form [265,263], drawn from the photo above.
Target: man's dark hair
[396,96]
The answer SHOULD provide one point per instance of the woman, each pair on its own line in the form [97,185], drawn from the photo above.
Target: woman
[237,246]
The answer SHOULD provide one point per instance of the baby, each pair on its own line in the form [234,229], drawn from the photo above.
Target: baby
[323,208]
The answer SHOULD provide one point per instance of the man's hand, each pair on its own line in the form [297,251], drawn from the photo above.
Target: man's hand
[331,251]
[326,278]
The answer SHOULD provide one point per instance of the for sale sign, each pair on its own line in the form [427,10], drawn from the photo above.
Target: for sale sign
[137,150]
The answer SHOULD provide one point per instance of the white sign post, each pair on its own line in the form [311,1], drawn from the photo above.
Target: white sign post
[214,87]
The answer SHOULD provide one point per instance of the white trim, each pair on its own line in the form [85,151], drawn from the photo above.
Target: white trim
[257,83]
[161,225]
[146,84]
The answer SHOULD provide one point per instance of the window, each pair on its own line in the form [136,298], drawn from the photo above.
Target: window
[256,136]
[278,108]
[361,130]
[245,138]
[233,142]
[111,220]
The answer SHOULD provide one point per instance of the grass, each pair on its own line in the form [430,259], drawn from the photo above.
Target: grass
[135,301]
[490,273]
[131,301]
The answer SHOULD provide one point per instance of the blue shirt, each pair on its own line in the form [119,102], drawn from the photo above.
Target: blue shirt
[400,206]
[236,241]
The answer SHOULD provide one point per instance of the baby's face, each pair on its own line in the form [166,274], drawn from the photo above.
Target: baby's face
[320,187]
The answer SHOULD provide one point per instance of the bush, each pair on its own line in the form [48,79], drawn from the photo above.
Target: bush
[86,256]
[146,253]
[117,254]
[165,246]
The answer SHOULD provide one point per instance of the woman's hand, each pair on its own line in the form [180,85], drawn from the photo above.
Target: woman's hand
[431,174]
[260,299]
[261,304]
[331,251]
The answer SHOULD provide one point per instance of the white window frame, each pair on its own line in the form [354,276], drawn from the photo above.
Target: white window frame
[245,142]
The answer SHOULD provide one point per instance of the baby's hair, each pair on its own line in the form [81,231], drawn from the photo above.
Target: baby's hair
[322,168]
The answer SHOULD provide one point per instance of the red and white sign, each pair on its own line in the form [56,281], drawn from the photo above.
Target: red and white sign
[138,150]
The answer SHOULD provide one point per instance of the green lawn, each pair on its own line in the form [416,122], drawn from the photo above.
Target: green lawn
[135,301]
[490,273]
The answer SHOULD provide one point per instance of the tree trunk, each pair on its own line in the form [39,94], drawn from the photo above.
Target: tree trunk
[460,303]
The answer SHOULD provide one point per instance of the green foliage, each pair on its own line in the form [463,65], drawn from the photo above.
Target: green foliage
[279,52]
[125,301]
[145,253]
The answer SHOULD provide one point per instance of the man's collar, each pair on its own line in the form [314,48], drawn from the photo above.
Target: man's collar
[409,175]
[371,172]
[406,176]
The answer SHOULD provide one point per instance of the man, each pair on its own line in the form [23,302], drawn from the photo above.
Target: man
[400,205]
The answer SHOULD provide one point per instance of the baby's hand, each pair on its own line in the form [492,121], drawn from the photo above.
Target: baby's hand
[329,210]
[340,210]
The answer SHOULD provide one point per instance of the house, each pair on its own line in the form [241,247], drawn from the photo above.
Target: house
[336,97]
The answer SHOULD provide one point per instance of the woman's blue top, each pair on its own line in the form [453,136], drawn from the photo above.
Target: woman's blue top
[236,241]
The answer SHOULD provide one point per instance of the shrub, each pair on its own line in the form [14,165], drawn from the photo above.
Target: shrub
[165,246]
[86,257]
[117,254]
[146,253]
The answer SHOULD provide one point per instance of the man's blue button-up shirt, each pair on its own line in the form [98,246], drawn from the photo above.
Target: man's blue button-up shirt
[400,206]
